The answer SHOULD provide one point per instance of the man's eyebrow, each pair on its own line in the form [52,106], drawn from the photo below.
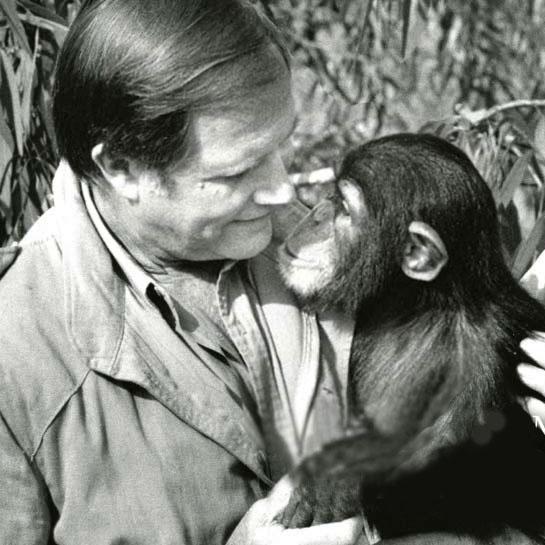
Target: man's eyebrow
[230,171]
[253,163]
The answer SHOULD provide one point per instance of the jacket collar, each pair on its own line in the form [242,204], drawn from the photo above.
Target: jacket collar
[94,296]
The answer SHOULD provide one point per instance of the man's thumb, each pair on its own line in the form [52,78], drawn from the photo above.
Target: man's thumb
[279,496]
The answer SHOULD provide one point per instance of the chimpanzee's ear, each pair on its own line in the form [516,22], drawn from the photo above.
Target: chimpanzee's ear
[425,254]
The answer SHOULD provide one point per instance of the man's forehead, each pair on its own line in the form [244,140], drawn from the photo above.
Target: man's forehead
[224,139]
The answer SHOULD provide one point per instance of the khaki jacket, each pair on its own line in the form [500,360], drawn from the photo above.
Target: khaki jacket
[113,429]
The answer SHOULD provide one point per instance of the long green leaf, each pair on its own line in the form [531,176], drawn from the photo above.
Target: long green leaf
[7,149]
[514,178]
[367,14]
[26,71]
[44,104]
[527,249]
[59,30]
[9,7]
[539,137]
[14,102]
[406,14]
[367,8]
[43,12]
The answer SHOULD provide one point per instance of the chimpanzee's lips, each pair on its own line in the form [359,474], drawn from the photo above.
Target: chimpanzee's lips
[291,255]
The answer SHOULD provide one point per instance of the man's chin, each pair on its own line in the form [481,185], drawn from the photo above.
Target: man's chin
[247,245]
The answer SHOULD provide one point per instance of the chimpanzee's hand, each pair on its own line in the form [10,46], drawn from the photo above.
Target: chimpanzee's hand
[259,526]
[534,377]
[320,501]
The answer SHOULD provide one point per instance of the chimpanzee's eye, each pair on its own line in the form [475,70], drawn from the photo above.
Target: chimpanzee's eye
[340,203]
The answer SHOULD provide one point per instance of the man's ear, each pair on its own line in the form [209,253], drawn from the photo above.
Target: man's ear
[122,175]
[425,254]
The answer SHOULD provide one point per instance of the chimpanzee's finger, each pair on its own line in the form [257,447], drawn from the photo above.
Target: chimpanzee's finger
[286,516]
[299,513]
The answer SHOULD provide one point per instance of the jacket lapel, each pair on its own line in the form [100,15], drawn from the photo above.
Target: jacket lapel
[154,357]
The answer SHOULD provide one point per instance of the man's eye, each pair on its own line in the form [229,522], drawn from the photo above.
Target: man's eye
[235,177]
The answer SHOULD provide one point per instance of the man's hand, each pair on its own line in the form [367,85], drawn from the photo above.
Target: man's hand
[257,527]
[534,377]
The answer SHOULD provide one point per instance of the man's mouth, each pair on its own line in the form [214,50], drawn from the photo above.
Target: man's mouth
[248,220]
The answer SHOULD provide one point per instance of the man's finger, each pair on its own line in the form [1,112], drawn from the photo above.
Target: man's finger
[279,496]
[533,377]
[346,532]
[535,347]
[536,408]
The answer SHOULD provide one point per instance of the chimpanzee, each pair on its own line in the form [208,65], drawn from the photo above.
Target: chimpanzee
[409,245]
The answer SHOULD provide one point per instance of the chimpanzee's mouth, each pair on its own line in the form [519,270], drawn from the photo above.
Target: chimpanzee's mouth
[288,255]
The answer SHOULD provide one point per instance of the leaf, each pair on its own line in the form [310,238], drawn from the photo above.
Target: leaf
[527,249]
[513,179]
[9,8]
[43,12]
[406,14]
[58,28]
[6,216]
[345,8]
[539,137]
[367,8]
[14,101]
[367,14]
[27,69]
[6,156]
[44,102]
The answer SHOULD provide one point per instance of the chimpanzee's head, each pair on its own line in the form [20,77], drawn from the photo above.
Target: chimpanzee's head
[409,210]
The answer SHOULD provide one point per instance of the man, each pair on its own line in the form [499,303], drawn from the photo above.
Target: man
[155,376]
[134,333]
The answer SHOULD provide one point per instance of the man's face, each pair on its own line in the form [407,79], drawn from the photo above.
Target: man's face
[217,203]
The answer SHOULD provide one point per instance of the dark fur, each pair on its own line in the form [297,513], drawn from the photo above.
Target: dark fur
[445,444]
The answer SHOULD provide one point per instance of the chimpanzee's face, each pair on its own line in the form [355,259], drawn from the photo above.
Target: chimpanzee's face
[310,256]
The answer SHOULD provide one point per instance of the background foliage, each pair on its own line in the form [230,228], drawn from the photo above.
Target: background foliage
[471,71]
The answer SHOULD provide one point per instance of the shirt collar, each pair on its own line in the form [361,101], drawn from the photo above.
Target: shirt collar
[146,289]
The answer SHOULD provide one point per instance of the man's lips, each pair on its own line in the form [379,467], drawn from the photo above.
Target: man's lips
[248,220]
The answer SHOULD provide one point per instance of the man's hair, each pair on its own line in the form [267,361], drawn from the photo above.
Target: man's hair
[131,73]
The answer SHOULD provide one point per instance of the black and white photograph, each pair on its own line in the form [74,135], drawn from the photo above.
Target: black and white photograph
[272,272]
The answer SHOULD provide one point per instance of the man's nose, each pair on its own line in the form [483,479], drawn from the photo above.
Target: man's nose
[275,187]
